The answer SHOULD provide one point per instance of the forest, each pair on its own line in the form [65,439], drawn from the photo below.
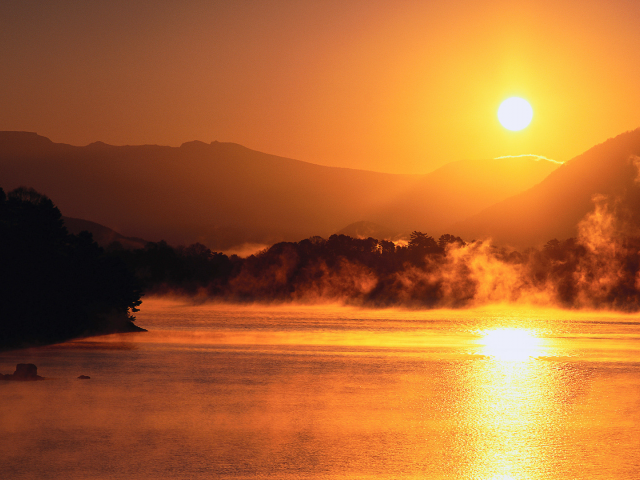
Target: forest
[55,285]
[597,270]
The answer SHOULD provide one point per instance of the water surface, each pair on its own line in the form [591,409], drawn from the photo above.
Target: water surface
[324,392]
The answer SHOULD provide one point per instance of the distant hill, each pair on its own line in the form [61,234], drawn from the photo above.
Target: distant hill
[553,208]
[459,189]
[103,236]
[223,194]
[365,229]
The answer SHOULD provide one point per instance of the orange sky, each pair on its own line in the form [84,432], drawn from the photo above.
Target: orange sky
[398,87]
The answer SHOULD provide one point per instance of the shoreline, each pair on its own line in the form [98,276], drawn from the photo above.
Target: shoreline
[124,327]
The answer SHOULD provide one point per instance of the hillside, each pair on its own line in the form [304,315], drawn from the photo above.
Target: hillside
[223,194]
[553,208]
[452,192]
[102,235]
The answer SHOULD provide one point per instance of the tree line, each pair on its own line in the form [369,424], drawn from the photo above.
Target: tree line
[423,273]
[54,285]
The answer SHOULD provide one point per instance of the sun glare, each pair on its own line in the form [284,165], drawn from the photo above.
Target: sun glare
[511,344]
[515,113]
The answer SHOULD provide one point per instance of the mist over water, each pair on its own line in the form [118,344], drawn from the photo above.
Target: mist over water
[599,268]
[220,391]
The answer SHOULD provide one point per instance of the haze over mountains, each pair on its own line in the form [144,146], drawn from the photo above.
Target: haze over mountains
[103,236]
[223,194]
[554,207]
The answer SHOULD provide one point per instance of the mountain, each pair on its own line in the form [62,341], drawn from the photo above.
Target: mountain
[220,194]
[450,193]
[223,194]
[104,236]
[554,207]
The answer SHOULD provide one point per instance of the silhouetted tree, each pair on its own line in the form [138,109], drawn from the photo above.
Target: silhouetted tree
[447,239]
[386,247]
[54,286]
[422,242]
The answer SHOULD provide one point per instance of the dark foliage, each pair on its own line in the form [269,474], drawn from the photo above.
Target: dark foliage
[424,273]
[53,285]
[161,268]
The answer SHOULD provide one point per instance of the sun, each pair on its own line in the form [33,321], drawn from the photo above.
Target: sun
[515,113]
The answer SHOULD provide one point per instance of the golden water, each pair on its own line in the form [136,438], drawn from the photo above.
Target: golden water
[321,392]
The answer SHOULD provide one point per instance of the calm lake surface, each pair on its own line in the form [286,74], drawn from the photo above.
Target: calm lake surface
[299,392]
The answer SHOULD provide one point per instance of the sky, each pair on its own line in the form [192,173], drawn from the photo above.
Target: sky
[399,87]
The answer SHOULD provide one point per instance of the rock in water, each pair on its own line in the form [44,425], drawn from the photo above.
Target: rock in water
[24,372]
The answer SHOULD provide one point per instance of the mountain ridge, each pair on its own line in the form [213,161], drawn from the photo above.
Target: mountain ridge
[223,194]
[554,207]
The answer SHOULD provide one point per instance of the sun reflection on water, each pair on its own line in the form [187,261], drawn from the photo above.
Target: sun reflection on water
[510,407]
[511,344]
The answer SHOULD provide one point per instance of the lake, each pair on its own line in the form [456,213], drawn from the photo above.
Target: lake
[332,392]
